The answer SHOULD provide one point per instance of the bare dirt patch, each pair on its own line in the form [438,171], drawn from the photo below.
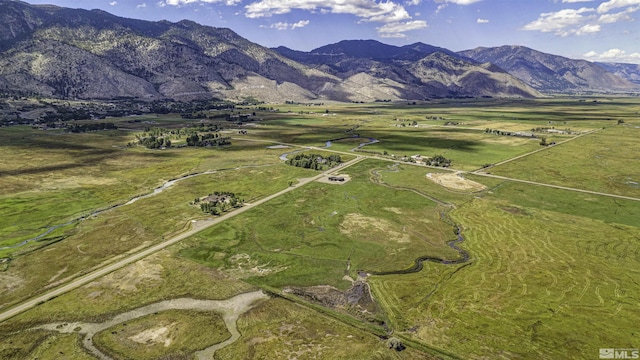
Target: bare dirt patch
[393,210]
[245,267]
[157,335]
[370,226]
[356,300]
[9,283]
[455,181]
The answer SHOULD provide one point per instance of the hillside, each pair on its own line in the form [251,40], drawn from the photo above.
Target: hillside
[80,54]
[551,73]
[412,71]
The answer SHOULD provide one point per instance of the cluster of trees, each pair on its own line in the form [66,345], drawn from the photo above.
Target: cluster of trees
[153,142]
[156,138]
[208,139]
[219,202]
[314,161]
[80,128]
[190,107]
[438,160]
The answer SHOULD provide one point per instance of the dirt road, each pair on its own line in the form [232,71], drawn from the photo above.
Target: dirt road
[85,279]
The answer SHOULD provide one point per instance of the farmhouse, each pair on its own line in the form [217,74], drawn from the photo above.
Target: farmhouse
[217,199]
[336,178]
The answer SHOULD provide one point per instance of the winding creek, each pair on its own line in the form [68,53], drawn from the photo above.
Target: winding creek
[463,255]
[230,309]
[155,192]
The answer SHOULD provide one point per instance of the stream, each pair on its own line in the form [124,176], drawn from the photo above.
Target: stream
[155,191]
[230,308]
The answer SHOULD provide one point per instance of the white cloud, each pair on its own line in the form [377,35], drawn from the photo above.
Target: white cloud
[300,24]
[588,29]
[368,10]
[287,26]
[482,21]
[142,6]
[113,3]
[575,1]
[617,17]
[458,2]
[607,6]
[186,2]
[400,27]
[559,21]
[280,26]
[613,55]
[441,7]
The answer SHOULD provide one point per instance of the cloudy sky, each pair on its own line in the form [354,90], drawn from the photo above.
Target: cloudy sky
[595,30]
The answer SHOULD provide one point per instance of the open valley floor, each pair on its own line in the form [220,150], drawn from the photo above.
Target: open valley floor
[442,229]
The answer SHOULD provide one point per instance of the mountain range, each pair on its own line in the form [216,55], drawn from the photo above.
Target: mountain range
[80,54]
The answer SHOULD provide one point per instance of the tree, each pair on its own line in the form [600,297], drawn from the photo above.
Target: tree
[395,344]
[543,141]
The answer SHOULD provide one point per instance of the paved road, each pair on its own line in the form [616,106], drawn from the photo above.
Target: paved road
[535,151]
[480,172]
[558,187]
[155,248]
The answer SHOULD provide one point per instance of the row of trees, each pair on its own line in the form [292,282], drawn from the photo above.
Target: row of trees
[156,138]
[314,161]
[208,139]
[507,133]
[80,128]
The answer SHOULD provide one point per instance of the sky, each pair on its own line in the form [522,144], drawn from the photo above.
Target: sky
[595,30]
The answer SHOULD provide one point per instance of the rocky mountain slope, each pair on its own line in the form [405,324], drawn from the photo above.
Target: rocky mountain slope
[630,72]
[412,71]
[551,73]
[73,53]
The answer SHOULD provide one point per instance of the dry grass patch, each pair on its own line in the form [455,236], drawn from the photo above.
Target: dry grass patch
[143,271]
[455,181]
[371,228]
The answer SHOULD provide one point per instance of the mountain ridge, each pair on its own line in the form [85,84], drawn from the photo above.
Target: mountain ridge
[550,73]
[91,54]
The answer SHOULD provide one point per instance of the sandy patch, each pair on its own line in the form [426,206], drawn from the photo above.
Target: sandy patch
[158,335]
[9,283]
[325,179]
[245,267]
[278,147]
[455,181]
[393,210]
[358,224]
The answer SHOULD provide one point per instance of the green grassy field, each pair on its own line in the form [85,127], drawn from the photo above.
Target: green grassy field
[603,161]
[550,273]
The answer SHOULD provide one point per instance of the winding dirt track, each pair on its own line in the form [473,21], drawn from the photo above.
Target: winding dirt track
[230,308]
[85,279]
